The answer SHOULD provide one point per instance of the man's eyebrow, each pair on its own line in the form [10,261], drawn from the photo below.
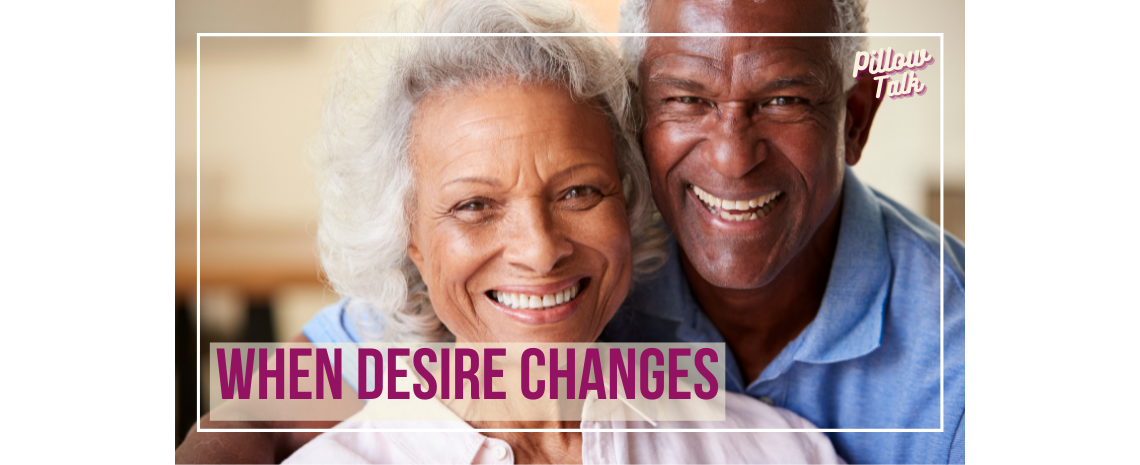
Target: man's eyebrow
[807,80]
[677,82]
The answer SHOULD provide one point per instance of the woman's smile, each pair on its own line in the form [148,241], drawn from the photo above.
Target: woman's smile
[541,304]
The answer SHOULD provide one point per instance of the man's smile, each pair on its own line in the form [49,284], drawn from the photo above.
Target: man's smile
[738,210]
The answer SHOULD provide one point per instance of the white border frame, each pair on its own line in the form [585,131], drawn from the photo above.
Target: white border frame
[941,236]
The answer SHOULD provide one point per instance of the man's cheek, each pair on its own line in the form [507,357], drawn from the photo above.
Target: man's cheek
[681,138]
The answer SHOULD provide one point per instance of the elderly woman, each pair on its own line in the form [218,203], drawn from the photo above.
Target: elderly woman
[492,192]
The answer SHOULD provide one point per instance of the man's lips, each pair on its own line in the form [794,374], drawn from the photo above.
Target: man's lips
[738,210]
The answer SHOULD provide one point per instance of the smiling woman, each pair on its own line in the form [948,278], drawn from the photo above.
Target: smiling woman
[520,200]
[370,144]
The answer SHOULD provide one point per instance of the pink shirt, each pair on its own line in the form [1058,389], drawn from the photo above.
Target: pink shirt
[463,444]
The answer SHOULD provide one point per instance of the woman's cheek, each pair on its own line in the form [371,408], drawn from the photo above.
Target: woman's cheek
[605,231]
[458,255]
[617,233]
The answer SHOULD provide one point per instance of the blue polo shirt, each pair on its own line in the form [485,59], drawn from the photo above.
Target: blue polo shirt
[870,359]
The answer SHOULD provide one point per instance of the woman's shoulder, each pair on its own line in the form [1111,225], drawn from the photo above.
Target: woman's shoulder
[726,441]
[807,446]
[340,446]
[742,411]
[381,442]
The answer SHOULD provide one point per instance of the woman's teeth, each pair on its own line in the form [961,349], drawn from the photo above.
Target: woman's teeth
[743,210]
[540,302]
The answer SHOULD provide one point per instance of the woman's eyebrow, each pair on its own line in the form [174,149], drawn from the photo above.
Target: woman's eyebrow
[570,170]
[473,179]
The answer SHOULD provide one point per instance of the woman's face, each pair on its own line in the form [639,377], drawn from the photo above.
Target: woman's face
[520,229]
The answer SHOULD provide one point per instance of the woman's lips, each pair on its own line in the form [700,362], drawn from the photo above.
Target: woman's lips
[537,305]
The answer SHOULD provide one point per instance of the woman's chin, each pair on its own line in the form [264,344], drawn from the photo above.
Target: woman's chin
[559,324]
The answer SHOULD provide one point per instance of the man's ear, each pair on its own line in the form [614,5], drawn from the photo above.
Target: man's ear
[861,108]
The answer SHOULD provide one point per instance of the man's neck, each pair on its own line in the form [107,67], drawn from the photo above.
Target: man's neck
[758,323]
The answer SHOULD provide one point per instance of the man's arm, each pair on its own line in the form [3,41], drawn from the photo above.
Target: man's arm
[261,447]
[257,447]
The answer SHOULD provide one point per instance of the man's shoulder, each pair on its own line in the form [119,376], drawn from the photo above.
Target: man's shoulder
[920,280]
[914,243]
[333,324]
[915,248]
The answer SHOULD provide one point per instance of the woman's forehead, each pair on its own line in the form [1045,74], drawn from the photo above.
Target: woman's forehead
[459,134]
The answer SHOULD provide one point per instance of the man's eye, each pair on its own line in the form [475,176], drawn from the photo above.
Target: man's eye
[689,100]
[780,101]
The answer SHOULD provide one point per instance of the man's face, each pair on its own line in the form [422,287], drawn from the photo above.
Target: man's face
[744,136]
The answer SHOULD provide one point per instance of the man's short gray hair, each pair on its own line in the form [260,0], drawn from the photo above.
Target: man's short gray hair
[849,17]
[365,175]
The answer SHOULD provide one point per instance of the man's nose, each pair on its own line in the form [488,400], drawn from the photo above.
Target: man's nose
[538,244]
[733,146]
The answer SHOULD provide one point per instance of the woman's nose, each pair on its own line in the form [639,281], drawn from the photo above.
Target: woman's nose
[537,243]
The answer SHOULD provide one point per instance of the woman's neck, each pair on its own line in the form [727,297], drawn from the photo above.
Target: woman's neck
[517,413]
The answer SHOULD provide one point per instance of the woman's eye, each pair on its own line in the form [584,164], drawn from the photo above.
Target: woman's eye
[581,198]
[580,191]
[688,100]
[472,206]
[476,211]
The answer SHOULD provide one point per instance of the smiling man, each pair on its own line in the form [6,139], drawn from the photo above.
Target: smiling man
[826,292]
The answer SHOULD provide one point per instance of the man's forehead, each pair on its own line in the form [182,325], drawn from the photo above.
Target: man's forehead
[728,16]
[739,51]
[719,54]
[747,61]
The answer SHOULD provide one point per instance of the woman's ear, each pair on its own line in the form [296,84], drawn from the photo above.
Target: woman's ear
[414,250]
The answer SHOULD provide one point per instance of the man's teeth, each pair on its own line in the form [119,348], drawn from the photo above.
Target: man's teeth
[515,300]
[748,209]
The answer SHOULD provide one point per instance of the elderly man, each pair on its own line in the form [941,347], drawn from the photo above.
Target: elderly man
[826,292]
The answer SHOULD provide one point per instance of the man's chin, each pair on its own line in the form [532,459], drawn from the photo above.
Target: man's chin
[733,273]
[735,281]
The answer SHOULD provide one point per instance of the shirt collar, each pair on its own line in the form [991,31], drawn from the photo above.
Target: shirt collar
[463,441]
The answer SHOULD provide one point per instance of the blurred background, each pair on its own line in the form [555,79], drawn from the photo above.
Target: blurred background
[260,101]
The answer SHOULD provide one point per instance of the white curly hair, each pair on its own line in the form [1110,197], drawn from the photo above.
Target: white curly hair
[365,180]
[849,16]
